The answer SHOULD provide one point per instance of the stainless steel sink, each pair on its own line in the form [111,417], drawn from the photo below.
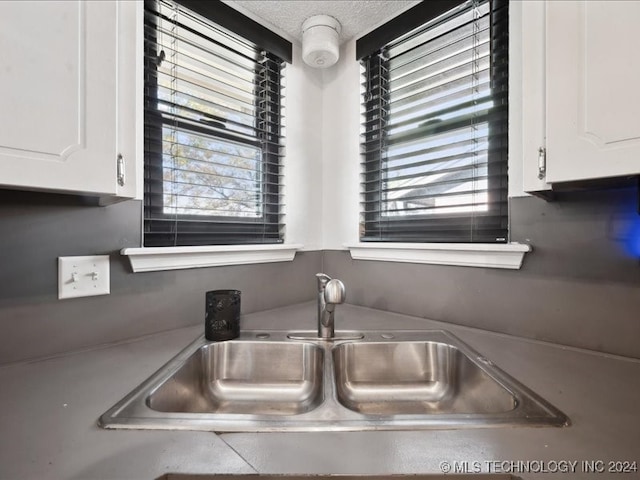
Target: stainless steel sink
[273,378]
[395,378]
[376,380]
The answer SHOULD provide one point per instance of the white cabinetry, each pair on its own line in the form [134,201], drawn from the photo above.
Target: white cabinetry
[587,112]
[71,83]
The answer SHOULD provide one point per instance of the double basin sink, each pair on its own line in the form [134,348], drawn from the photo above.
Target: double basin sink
[291,381]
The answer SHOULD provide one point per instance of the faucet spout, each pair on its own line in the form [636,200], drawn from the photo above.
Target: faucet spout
[331,292]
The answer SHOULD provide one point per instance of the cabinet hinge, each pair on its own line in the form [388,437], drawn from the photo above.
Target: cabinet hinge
[542,162]
[121,177]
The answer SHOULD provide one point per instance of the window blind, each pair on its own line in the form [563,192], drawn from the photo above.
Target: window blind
[435,122]
[213,133]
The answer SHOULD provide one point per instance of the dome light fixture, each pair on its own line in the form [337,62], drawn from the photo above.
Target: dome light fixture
[320,41]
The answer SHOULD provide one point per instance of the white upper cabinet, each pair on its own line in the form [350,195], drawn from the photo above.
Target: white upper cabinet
[70,83]
[591,112]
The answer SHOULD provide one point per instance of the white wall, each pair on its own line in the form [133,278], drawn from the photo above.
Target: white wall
[322,160]
[304,144]
[341,151]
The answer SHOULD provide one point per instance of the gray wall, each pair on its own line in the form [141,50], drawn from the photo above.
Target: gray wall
[36,228]
[578,287]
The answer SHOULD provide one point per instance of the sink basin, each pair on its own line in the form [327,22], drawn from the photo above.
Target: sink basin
[291,381]
[245,377]
[395,378]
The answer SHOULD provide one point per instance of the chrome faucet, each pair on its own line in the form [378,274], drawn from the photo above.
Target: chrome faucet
[331,292]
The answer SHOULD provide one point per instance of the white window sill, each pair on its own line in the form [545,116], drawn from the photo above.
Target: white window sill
[152,259]
[489,255]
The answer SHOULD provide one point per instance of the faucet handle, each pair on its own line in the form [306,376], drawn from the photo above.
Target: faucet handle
[334,292]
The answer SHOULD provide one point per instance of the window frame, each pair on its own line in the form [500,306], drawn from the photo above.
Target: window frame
[266,228]
[372,46]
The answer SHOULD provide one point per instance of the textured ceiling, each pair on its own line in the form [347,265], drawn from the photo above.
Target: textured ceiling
[355,16]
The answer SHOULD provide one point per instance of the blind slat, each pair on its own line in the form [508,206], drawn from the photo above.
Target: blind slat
[431,56]
[178,184]
[435,92]
[473,170]
[435,75]
[463,183]
[433,34]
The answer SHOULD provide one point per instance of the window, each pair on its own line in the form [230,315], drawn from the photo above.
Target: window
[213,126]
[435,122]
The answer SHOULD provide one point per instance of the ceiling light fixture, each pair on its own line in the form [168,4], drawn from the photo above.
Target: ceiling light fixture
[320,41]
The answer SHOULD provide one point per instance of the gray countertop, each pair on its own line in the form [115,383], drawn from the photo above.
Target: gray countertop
[49,408]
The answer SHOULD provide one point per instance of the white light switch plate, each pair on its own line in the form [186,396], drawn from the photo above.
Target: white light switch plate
[83,276]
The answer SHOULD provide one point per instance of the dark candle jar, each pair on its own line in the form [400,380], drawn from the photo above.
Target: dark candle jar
[222,317]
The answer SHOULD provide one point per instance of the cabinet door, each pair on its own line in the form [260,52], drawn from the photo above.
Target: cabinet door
[592,89]
[532,97]
[60,108]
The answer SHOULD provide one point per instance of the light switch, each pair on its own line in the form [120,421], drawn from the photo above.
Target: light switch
[83,276]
